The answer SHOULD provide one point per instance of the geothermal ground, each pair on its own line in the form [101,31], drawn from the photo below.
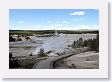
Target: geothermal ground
[27,51]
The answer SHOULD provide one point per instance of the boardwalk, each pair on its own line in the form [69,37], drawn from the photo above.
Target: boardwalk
[48,63]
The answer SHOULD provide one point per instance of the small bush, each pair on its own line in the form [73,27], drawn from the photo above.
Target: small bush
[41,53]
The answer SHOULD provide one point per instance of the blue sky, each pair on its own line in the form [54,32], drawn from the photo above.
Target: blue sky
[51,19]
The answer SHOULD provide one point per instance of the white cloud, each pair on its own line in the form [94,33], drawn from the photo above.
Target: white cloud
[73,25]
[38,25]
[76,19]
[58,22]
[11,27]
[56,25]
[78,13]
[48,21]
[91,27]
[20,22]
[80,19]
[65,22]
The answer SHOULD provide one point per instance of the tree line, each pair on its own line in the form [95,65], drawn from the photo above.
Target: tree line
[31,32]
[92,44]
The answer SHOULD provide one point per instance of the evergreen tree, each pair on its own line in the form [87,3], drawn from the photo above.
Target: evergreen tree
[80,42]
[92,44]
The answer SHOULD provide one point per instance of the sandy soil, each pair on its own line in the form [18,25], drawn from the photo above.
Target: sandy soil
[87,60]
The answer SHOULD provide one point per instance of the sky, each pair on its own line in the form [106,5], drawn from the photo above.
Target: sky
[53,19]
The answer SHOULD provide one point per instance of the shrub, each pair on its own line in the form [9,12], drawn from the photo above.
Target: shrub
[41,53]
